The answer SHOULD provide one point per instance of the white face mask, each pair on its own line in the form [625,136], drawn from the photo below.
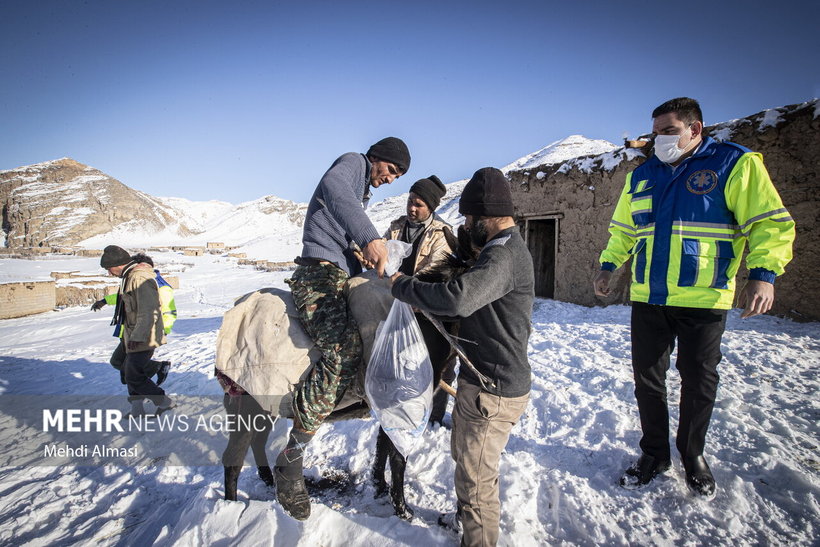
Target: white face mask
[666,148]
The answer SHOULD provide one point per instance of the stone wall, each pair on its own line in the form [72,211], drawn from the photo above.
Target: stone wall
[582,194]
[82,295]
[27,298]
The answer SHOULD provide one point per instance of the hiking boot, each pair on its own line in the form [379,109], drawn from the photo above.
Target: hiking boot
[164,404]
[293,496]
[162,373]
[643,471]
[266,475]
[450,521]
[137,410]
[699,478]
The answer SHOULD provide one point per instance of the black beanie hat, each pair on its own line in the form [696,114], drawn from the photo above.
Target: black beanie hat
[431,190]
[114,256]
[392,149]
[487,195]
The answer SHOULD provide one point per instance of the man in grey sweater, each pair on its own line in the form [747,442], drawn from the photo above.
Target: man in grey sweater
[335,224]
[493,300]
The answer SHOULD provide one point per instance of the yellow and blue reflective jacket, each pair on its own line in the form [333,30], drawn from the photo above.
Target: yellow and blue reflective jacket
[686,227]
[167,305]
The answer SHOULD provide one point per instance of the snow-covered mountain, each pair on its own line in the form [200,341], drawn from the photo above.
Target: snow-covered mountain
[66,203]
[62,202]
[561,151]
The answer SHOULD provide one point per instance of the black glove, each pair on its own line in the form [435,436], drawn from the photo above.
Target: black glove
[96,306]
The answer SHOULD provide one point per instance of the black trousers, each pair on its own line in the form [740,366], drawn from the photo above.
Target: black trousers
[242,436]
[118,360]
[698,333]
[137,369]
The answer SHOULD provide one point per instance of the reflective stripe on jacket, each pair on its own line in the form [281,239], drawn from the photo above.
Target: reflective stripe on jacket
[687,227]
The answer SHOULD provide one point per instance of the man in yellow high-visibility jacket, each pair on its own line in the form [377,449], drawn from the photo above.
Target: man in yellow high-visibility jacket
[684,217]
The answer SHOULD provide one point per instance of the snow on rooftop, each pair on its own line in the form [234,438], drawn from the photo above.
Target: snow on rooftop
[769,118]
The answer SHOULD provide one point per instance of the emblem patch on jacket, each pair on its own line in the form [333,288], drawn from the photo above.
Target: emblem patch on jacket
[702,182]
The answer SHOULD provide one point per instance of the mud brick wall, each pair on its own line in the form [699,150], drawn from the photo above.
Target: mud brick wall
[28,298]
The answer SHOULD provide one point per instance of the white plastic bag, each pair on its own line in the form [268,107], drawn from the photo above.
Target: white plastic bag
[397,251]
[399,378]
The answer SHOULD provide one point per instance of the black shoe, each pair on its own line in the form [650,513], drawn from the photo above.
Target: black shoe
[162,373]
[266,475]
[699,478]
[643,471]
[293,496]
[400,507]
[164,405]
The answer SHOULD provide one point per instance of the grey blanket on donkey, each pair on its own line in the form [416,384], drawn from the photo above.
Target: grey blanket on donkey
[263,347]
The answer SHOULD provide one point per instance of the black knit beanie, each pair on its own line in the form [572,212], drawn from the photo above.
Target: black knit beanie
[114,256]
[487,195]
[431,190]
[392,149]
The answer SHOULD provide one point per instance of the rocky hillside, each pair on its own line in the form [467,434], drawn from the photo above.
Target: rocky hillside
[63,202]
[66,203]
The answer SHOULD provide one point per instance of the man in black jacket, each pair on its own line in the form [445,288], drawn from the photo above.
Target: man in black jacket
[493,300]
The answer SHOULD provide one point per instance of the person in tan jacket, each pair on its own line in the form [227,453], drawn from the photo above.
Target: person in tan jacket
[422,227]
[139,315]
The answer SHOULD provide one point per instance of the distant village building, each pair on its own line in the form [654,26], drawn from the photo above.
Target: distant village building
[89,252]
[215,245]
[37,250]
[238,255]
[193,252]
[26,298]
[564,210]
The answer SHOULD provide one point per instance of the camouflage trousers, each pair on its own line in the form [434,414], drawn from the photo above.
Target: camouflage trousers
[318,291]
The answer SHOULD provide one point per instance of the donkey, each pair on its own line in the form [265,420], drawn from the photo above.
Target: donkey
[242,347]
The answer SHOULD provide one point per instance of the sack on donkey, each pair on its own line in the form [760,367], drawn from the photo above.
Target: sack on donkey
[263,348]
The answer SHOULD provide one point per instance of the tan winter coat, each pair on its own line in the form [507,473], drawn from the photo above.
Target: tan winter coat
[433,247]
[143,317]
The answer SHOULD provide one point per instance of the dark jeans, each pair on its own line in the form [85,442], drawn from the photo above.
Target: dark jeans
[118,358]
[137,369]
[246,433]
[698,333]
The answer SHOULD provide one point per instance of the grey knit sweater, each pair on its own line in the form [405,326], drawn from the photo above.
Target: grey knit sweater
[494,301]
[336,216]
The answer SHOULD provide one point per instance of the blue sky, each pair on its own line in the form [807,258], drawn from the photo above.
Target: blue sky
[237,100]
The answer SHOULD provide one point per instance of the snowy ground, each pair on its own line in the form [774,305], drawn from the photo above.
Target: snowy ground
[558,474]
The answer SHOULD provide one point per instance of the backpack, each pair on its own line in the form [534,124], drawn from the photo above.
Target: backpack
[167,305]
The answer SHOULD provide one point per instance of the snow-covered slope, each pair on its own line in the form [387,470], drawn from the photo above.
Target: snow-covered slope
[558,472]
[560,151]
